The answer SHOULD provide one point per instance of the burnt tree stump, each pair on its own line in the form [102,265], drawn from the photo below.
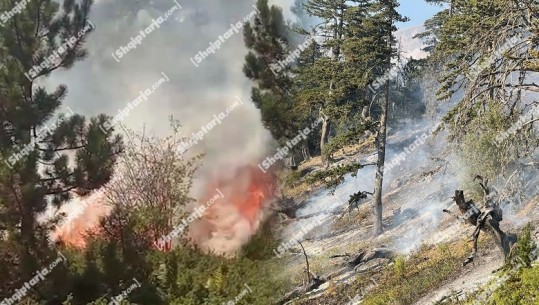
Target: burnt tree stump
[487,220]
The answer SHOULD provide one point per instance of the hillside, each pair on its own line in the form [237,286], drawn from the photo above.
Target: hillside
[269,152]
[420,231]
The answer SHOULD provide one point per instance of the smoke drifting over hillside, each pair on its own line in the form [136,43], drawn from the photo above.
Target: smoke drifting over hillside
[100,84]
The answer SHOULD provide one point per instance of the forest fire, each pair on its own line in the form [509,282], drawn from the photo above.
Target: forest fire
[79,223]
[226,224]
[229,224]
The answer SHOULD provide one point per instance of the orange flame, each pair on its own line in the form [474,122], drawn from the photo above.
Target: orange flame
[225,226]
[73,232]
[231,222]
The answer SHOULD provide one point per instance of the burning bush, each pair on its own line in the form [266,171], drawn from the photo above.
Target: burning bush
[150,193]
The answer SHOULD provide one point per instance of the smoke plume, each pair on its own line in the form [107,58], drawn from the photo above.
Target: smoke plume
[100,84]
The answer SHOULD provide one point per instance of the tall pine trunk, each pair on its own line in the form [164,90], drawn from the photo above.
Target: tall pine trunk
[381,150]
[379,180]
[324,138]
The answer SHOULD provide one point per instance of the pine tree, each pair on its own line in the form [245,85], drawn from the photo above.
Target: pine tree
[433,29]
[326,87]
[266,40]
[58,155]
[382,21]
[488,53]
[353,63]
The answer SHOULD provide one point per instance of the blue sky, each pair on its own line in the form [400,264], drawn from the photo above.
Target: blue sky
[417,10]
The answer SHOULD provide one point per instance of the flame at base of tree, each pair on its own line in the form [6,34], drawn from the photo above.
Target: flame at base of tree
[230,222]
[74,231]
[227,223]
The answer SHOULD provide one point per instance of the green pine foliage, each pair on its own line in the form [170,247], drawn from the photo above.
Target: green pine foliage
[76,157]
[335,79]
[481,46]
[48,154]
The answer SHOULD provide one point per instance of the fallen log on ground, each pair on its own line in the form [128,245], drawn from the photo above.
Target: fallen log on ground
[363,261]
[368,255]
[349,262]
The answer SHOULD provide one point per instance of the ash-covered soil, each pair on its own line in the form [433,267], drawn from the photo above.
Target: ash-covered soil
[415,193]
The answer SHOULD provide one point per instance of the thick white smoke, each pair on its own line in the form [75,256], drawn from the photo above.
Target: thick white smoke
[100,84]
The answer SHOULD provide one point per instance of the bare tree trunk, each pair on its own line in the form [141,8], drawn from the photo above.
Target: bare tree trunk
[305,151]
[324,137]
[308,270]
[379,180]
[381,149]
[326,124]
[503,240]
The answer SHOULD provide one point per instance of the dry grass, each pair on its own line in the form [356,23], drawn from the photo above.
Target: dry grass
[356,218]
[425,271]
[301,189]
[296,186]
[530,207]
[345,151]
[404,283]
[320,264]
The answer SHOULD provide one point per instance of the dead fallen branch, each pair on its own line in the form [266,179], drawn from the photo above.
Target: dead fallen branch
[340,255]
[306,262]
[364,261]
[313,281]
[356,199]
[367,255]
